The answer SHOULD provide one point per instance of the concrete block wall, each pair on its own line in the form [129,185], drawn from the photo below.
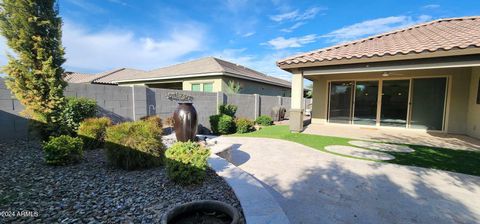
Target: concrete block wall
[245,104]
[126,103]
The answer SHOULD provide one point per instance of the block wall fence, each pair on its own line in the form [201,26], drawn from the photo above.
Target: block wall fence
[123,103]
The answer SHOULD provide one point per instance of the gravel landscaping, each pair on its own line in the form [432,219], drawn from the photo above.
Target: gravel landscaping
[91,191]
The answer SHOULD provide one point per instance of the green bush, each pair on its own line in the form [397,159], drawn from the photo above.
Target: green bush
[244,125]
[76,110]
[63,150]
[228,109]
[264,120]
[92,132]
[186,162]
[135,145]
[222,124]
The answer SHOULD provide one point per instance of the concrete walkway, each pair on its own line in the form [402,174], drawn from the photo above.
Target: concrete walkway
[401,136]
[317,187]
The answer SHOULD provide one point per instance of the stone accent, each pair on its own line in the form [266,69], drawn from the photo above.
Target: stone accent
[296,120]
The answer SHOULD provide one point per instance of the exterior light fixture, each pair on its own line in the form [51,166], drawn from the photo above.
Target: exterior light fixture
[386,74]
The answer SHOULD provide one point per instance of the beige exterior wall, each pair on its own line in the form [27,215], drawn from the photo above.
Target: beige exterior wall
[215,80]
[252,87]
[457,97]
[473,120]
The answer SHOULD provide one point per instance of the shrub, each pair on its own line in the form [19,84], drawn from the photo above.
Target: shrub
[92,132]
[228,109]
[135,145]
[76,110]
[264,120]
[63,150]
[169,122]
[186,162]
[154,119]
[222,124]
[244,125]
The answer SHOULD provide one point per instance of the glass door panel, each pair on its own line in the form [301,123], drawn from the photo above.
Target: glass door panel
[340,105]
[366,94]
[394,103]
[428,103]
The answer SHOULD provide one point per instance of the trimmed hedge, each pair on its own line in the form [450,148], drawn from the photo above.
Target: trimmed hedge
[244,125]
[63,150]
[222,124]
[135,145]
[228,109]
[186,162]
[264,120]
[92,132]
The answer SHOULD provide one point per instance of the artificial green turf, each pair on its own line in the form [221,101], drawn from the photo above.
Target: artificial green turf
[461,161]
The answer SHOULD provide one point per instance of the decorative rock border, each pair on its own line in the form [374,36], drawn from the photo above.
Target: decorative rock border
[258,204]
[385,147]
[359,152]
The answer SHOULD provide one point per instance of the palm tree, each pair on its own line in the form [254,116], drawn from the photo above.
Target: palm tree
[233,87]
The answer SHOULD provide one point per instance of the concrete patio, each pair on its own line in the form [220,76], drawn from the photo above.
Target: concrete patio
[317,187]
[401,136]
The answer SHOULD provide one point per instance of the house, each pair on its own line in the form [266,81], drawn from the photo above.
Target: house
[207,74]
[422,77]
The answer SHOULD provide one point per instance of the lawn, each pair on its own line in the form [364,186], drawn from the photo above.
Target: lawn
[460,161]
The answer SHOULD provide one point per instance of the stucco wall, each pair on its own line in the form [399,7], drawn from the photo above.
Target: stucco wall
[251,87]
[473,120]
[457,106]
[215,80]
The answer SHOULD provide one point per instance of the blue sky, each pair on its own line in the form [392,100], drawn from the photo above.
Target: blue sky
[105,34]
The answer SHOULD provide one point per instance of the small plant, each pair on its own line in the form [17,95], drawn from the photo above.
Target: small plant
[135,145]
[228,109]
[63,150]
[155,119]
[187,162]
[244,125]
[92,132]
[264,120]
[222,124]
[169,122]
[233,87]
[76,110]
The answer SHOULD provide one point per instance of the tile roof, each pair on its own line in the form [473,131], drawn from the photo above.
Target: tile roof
[438,35]
[205,66]
[107,77]
[75,77]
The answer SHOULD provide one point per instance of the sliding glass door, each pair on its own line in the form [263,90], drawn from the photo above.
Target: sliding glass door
[394,103]
[428,103]
[340,106]
[365,105]
[357,102]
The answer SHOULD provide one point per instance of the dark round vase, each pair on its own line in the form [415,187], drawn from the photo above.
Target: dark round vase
[185,122]
[230,214]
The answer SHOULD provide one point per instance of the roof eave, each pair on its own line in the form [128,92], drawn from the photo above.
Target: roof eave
[426,54]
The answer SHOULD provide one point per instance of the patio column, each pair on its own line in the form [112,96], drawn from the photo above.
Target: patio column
[296,111]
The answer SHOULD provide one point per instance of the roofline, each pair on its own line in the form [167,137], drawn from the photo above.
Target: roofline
[203,75]
[282,66]
[396,57]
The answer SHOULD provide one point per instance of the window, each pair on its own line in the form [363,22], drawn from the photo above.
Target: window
[205,87]
[478,92]
[195,87]
[208,87]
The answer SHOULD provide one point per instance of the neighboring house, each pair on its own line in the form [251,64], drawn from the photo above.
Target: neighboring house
[422,77]
[205,74]
[104,78]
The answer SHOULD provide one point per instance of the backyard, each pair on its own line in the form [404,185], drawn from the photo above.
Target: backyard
[461,161]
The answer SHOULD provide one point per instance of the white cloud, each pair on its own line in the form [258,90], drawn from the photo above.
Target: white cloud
[293,27]
[282,43]
[108,49]
[248,34]
[431,6]
[296,15]
[87,6]
[372,27]
[264,63]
